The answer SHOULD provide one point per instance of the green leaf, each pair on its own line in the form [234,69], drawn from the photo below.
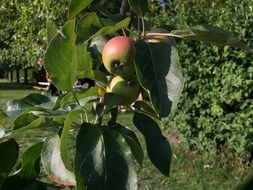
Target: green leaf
[76,6]
[158,146]
[9,156]
[132,141]
[52,162]
[51,31]
[111,29]
[70,98]
[24,119]
[42,123]
[210,34]
[143,107]
[65,139]
[31,162]
[15,107]
[97,149]
[60,58]
[57,104]
[84,62]
[2,131]
[140,7]
[88,25]
[47,3]
[100,78]
[111,100]
[158,71]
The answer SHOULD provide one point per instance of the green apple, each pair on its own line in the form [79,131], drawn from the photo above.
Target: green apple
[128,88]
[118,56]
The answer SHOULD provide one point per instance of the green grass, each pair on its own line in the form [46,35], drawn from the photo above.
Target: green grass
[189,171]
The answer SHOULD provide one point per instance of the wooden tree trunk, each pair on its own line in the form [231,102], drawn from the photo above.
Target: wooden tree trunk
[25,76]
[17,75]
[11,76]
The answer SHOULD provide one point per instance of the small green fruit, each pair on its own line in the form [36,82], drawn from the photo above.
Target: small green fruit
[127,88]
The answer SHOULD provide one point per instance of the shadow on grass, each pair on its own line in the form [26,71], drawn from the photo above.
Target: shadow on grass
[15,86]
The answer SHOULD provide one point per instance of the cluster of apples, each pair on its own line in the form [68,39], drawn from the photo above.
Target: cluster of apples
[118,58]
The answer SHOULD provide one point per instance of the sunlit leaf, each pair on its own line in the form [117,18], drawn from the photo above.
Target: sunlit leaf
[15,107]
[84,63]
[70,97]
[51,31]
[60,58]
[111,29]
[24,119]
[52,162]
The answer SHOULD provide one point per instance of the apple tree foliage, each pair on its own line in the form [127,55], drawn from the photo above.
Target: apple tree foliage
[23,31]
[86,146]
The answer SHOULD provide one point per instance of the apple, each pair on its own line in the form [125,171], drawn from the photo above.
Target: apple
[128,88]
[118,56]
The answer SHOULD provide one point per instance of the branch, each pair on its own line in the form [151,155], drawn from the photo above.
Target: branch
[124,7]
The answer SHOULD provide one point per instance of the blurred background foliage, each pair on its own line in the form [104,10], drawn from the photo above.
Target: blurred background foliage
[215,113]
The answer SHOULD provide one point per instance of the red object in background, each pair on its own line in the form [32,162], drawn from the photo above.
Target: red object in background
[48,78]
[40,61]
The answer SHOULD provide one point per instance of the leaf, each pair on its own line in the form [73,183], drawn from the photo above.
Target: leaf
[143,107]
[69,98]
[24,119]
[2,131]
[88,25]
[42,123]
[47,3]
[84,63]
[60,58]
[9,156]
[17,182]
[51,31]
[31,162]
[76,6]
[15,107]
[64,141]
[111,100]
[100,78]
[210,34]
[132,141]
[140,7]
[98,148]
[158,146]
[111,29]
[158,71]
[52,162]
